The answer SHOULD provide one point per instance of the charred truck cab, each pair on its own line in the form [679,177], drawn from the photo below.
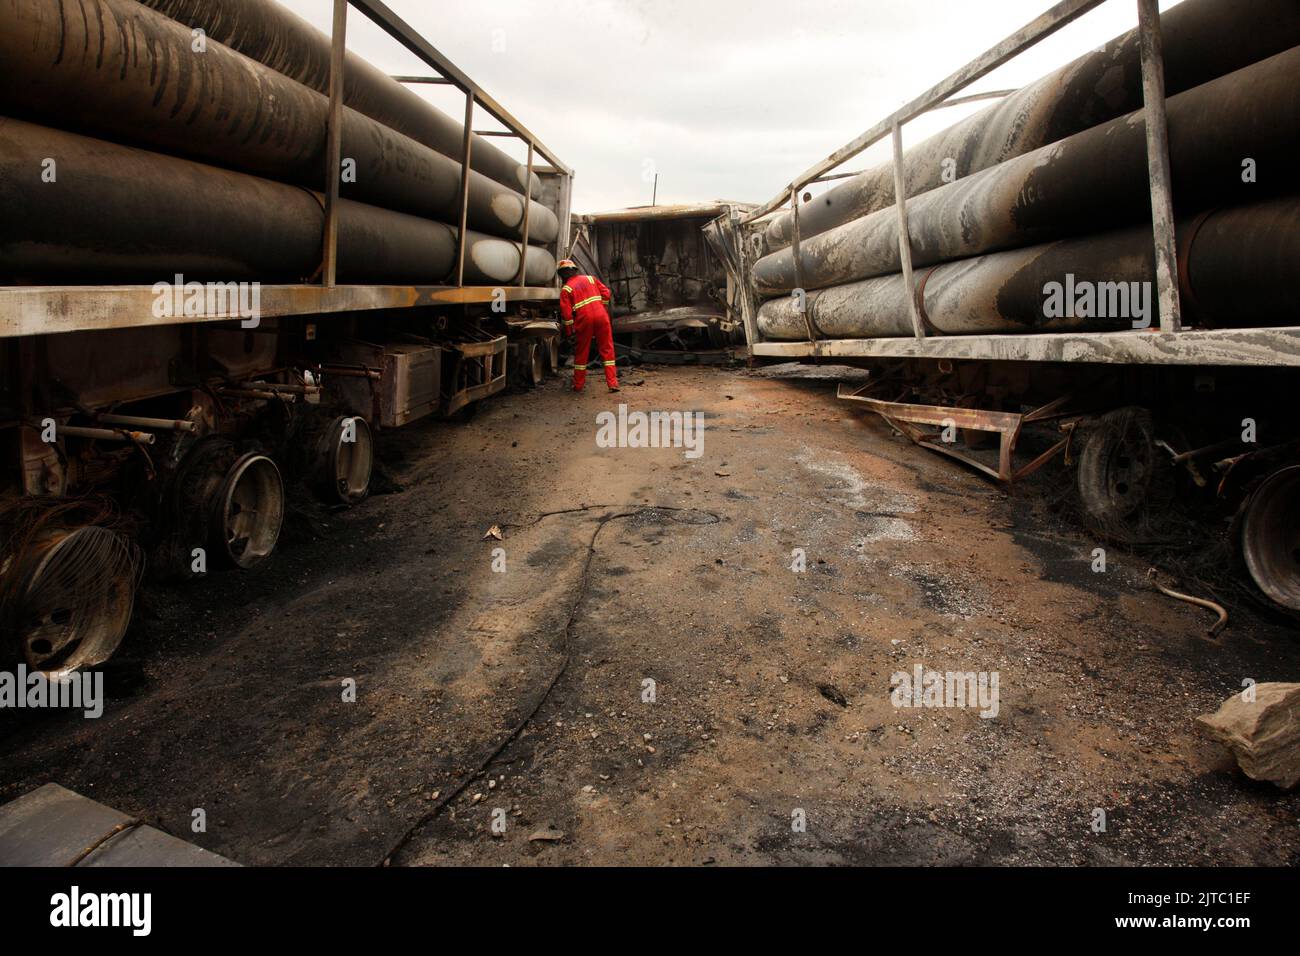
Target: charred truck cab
[675,300]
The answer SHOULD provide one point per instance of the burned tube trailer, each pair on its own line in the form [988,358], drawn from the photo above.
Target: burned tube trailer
[674,298]
[1113,293]
[195,327]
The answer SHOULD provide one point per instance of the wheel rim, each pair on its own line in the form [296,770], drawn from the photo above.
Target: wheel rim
[535,364]
[353,460]
[252,510]
[1270,537]
[1117,467]
[1128,473]
[77,603]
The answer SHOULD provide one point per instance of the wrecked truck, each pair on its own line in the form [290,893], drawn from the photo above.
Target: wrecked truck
[675,302]
[198,316]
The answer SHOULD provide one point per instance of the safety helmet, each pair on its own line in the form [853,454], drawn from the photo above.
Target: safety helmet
[565,264]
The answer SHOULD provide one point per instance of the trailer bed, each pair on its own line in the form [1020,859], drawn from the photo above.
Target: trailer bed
[44,310]
[1211,347]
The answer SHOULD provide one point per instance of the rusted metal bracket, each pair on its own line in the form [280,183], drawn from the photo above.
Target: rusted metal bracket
[432,80]
[478,370]
[904,417]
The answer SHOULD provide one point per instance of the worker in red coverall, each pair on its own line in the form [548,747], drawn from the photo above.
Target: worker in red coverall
[582,305]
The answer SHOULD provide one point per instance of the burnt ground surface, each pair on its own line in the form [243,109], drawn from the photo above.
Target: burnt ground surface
[772,688]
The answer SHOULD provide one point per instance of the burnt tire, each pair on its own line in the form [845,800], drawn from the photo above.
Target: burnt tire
[1119,468]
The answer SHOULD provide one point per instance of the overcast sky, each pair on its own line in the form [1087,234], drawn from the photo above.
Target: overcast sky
[725,99]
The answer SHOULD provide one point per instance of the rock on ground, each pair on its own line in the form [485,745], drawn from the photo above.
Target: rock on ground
[1263,733]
